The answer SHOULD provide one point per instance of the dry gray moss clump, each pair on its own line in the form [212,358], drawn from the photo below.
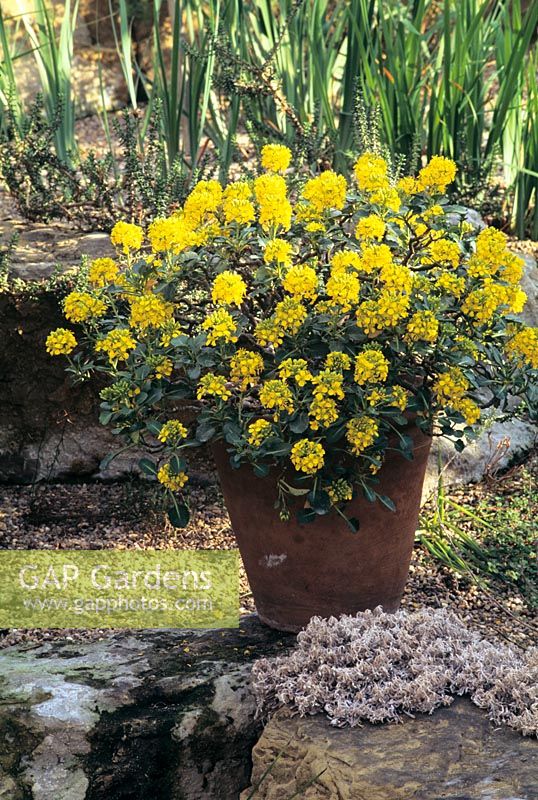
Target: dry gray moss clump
[378,667]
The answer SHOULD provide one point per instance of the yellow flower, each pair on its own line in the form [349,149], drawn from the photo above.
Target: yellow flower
[482,304]
[117,344]
[386,196]
[276,157]
[451,284]
[340,491]
[343,288]
[337,361]
[344,260]
[437,174]
[361,432]
[212,385]
[491,246]
[277,395]
[469,409]
[127,236]
[326,191]
[229,288]
[409,186]
[170,330]
[371,366]
[171,234]
[450,386]
[202,203]
[307,456]
[269,333]
[522,347]
[221,327]
[274,207]
[245,368]
[444,251]
[296,368]
[371,227]
[290,315]
[163,368]
[149,310]
[328,384]
[397,276]
[423,326]
[399,397]
[370,172]
[103,271]
[81,306]
[277,250]
[172,432]
[512,268]
[237,209]
[301,281]
[60,342]
[171,481]
[323,412]
[258,431]
[375,257]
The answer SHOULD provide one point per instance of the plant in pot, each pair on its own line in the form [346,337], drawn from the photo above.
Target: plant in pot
[324,332]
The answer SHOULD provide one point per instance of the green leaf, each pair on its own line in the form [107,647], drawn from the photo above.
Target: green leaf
[369,493]
[387,502]
[261,470]
[147,466]
[299,423]
[205,431]
[353,524]
[177,465]
[179,515]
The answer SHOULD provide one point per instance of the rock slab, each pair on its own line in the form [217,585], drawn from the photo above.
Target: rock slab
[454,754]
[161,714]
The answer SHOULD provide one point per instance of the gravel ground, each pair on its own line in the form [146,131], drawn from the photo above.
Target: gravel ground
[128,515]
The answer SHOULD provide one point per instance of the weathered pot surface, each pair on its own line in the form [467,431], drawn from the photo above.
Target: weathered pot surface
[297,571]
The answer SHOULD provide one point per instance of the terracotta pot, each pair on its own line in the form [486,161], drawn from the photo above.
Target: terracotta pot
[297,571]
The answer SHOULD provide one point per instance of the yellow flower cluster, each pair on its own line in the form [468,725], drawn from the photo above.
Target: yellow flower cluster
[296,368]
[523,346]
[126,236]
[450,389]
[343,288]
[443,251]
[117,344]
[149,311]
[245,368]
[274,207]
[202,204]
[211,385]
[340,491]
[60,342]
[103,271]
[374,316]
[326,191]
[371,366]
[290,315]
[301,281]
[422,326]
[437,175]
[229,288]
[451,284]
[361,433]
[276,394]
[258,431]
[236,203]
[370,227]
[371,172]
[220,326]
[174,482]
[172,234]
[275,157]
[163,367]
[337,361]
[81,306]
[307,456]
[279,251]
[172,432]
